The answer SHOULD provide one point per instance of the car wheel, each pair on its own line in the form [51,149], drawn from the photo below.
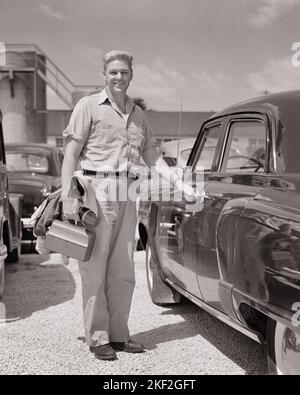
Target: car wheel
[160,292]
[283,349]
[2,278]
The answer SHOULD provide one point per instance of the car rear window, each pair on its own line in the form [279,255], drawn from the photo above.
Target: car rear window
[27,162]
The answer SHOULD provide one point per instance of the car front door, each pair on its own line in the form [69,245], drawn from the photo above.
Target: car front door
[177,225]
[238,173]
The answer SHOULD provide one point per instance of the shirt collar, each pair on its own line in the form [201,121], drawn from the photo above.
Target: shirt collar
[103,97]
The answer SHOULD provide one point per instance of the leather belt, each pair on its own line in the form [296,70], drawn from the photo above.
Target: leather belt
[104,174]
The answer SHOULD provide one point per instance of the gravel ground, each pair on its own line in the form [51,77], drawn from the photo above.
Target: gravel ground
[43,333]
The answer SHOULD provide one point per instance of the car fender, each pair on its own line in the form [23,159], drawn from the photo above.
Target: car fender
[152,228]
[15,214]
[257,281]
[148,226]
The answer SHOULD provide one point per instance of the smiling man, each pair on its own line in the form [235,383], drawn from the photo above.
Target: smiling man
[106,137]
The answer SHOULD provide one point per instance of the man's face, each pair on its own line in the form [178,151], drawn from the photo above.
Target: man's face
[118,76]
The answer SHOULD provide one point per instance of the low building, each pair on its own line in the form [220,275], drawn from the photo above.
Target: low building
[166,125]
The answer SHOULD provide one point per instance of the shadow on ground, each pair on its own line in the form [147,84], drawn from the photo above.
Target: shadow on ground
[243,351]
[34,284]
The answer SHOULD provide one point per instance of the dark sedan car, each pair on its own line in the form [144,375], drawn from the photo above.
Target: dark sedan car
[35,171]
[239,256]
[10,218]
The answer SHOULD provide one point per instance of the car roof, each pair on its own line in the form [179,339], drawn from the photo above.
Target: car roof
[282,100]
[30,146]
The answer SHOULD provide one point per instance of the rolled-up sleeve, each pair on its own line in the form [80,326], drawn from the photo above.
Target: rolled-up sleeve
[80,122]
[150,153]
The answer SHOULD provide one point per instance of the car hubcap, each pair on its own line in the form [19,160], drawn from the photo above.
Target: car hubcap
[287,350]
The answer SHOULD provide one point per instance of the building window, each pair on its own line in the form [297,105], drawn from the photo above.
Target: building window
[59,142]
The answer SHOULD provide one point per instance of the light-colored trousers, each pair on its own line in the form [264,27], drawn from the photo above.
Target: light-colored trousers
[108,277]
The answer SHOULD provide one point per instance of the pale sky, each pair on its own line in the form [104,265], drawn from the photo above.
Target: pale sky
[206,54]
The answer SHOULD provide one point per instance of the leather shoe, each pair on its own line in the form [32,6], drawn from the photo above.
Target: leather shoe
[130,346]
[106,352]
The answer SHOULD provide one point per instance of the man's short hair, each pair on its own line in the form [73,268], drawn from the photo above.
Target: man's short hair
[117,55]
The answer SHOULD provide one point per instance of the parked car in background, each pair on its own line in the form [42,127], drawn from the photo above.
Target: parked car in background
[239,256]
[177,152]
[10,218]
[34,171]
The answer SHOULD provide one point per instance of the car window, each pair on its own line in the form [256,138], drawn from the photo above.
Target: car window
[28,162]
[245,147]
[208,149]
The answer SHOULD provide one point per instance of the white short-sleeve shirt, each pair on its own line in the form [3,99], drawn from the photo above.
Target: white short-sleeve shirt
[112,140]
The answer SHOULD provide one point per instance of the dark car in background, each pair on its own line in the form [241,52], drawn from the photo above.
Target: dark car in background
[238,257]
[34,171]
[10,218]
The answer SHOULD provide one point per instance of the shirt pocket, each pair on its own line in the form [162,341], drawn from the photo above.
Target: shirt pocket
[108,135]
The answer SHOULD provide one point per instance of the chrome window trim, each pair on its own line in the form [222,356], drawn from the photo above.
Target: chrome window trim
[244,117]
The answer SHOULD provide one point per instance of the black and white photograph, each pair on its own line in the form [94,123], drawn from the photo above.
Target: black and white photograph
[149,190]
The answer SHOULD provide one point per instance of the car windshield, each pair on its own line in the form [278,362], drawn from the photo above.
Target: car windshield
[27,162]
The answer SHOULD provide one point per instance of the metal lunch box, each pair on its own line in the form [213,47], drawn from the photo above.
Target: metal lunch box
[70,240]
